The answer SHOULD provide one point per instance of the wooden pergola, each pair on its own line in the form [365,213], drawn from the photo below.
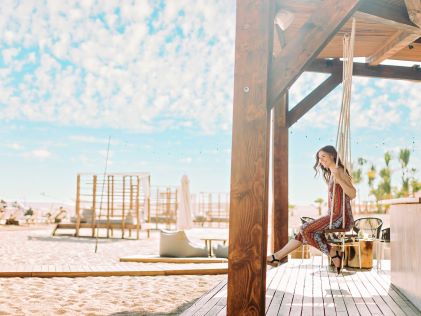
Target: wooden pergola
[268,60]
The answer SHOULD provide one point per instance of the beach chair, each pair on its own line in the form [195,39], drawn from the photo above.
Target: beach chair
[56,217]
[380,244]
[370,226]
[177,244]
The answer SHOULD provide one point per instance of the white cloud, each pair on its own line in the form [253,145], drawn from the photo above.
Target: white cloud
[94,67]
[38,154]
[376,104]
[149,68]
[14,146]
[91,139]
[186,160]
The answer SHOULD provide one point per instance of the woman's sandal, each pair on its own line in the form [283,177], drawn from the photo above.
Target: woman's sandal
[274,262]
[338,269]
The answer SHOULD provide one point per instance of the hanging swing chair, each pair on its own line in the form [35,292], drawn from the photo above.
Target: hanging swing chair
[340,237]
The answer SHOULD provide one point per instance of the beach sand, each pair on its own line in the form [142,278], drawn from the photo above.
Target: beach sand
[145,295]
[160,295]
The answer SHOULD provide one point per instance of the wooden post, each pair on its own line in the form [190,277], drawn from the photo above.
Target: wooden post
[77,205]
[210,210]
[219,210]
[112,204]
[93,221]
[176,206]
[168,207]
[131,194]
[157,207]
[123,208]
[280,175]
[250,159]
[137,208]
[108,205]
[149,204]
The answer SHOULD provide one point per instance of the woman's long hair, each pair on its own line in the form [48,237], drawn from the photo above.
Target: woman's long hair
[325,171]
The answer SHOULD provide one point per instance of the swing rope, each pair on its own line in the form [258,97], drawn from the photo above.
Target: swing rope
[343,135]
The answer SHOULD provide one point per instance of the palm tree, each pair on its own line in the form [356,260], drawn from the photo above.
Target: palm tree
[385,174]
[371,176]
[404,155]
[414,183]
[357,177]
[319,201]
[291,208]
[387,158]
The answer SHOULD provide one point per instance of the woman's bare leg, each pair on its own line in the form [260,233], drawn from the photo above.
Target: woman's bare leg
[288,248]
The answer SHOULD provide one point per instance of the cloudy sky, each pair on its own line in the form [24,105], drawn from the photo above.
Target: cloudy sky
[156,77]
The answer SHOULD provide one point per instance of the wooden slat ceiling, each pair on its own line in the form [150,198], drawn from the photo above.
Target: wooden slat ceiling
[371,32]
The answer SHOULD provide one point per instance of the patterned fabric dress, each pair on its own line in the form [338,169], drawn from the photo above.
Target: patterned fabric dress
[311,233]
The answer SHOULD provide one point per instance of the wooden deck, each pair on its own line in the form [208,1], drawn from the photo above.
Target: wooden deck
[121,269]
[305,287]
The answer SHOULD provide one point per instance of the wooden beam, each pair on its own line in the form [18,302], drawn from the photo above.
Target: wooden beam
[314,97]
[313,36]
[280,175]
[250,159]
[387,13]
[364,70]
[397,42]
[414,11]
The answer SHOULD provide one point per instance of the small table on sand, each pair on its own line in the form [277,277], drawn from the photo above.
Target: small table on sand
[208,242]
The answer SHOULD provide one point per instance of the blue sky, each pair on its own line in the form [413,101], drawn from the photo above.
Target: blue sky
[158,78]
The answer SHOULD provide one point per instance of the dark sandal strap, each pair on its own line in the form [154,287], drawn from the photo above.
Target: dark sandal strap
[274,259]
[337,256]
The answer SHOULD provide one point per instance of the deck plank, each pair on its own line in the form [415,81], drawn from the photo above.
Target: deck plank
[395,294]
[202,301]
[290,288]
[356,295]
[328,302]
[297,301]
[308,287]
[318,309]
[385,309]
[384,294]
[273,285]
[368,299]
[345,292]
[338,299]
[279,294]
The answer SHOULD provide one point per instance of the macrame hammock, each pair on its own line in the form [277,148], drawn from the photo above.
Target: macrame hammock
[343,136]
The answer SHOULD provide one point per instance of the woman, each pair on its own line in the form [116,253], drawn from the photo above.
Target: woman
[312,233]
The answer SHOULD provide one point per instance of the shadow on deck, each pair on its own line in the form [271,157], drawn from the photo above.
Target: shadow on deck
[306,287]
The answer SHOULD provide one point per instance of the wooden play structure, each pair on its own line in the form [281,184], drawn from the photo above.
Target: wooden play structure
[114,201]
[276,41]
[212,209]
[163,208]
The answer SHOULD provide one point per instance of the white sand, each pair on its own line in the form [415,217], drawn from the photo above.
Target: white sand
[160,295]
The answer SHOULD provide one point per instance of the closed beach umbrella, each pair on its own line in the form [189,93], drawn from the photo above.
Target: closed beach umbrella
[184,210]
